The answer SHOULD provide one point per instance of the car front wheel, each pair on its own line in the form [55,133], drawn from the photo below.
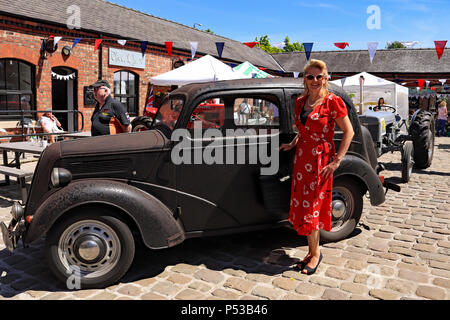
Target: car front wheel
[347,206]
[89,250]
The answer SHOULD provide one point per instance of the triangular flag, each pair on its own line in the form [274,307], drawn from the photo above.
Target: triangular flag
[308,48]
[232,65]
[56,40]
[421,83]
[194,46]
[97,44]
[341,45]
[433,88]
[409,44]
[169,47]
[427,83]
[296,73]
[143,47]
[122,42]
[440,46]
[442,81]
[251,44]
[43,45]
[372,47]
[343,80]
[75,42]
[219,46]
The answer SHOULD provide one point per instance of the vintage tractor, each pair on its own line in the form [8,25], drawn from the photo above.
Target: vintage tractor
[415,142]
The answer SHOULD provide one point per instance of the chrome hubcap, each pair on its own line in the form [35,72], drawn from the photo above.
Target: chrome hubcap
[91,246]
[338,208]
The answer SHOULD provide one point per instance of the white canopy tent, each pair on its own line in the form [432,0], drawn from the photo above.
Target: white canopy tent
[374,88]
[205,69]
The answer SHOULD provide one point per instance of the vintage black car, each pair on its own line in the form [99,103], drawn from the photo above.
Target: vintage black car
[93,198]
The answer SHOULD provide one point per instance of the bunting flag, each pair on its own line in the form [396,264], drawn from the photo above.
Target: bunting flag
[97,44]
[143,47]
[442,81]
[341,45]
[169,47]
[440,46]
[409,44]
[121,42]
[427,82]
[219,46]
[65,78]
[279,45]
[343,81]
[421,83]
[372,47]
[149,103]
[296,73]
[55,41]
[43,45]
[75,42]
[308,48]
[433,88]
[194,46]
[251,44]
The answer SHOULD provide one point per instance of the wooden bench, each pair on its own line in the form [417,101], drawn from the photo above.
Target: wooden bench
[21,175]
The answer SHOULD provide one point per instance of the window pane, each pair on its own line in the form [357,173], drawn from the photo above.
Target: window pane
[117,83]
[12,75]
[25,76]
[132,85]
[13,103]
[2,74]
[131,107]
[263,113]
[3,105]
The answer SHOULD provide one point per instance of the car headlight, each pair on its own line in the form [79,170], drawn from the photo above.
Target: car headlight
[60,177]
[17,211]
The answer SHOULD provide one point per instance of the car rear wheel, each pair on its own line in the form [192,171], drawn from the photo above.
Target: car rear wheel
[347,206]
[89,250]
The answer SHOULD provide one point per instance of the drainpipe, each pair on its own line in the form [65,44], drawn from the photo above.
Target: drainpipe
[100,60]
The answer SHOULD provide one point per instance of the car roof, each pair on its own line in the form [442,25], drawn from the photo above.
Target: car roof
[195,89]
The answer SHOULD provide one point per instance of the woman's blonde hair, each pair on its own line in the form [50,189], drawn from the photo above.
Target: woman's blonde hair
[443,104]
[321,65]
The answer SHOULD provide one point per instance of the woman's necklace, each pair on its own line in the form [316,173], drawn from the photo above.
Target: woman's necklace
[310,105]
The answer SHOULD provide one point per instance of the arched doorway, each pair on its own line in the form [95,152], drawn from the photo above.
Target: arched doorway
[64,96]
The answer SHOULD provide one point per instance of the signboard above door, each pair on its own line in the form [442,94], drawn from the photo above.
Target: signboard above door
[126,58]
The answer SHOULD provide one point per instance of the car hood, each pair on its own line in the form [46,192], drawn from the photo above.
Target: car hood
[114,144]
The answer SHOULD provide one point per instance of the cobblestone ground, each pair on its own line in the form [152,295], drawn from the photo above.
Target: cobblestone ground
[400,250]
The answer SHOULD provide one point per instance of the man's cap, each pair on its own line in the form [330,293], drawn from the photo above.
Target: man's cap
[100,83]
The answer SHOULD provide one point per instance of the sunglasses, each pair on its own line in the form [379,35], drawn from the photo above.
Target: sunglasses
[98,88]
[312,77]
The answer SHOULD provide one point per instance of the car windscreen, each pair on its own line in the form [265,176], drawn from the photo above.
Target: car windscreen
[168,114]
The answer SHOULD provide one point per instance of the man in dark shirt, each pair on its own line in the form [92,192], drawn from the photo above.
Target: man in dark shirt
[109,116]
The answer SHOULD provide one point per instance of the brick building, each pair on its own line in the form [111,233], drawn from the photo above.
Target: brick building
[40,79]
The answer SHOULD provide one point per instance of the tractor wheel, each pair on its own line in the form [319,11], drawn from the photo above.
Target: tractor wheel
[407,161]
[422,131]
[141,124]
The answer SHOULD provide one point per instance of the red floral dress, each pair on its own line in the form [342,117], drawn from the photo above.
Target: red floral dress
[310,207]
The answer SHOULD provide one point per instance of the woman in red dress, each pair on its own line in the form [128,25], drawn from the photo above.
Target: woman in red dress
[317,113]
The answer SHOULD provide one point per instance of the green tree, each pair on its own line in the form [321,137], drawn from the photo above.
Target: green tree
[209,31]
[395,45]
[296,46]
[264,44]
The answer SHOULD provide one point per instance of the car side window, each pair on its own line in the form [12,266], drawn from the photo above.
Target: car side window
[256,112]
[209,114]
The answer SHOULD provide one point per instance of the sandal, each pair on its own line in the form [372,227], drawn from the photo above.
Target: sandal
[303,263]
[310,271]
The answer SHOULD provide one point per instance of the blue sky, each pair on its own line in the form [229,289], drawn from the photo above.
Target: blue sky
[322,21]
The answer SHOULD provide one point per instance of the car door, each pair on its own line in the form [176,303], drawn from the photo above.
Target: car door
[224,165]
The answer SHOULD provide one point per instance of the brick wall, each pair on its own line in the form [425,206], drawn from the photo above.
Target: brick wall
[22,40]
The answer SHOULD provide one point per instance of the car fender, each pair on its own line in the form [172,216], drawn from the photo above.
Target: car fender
[358,168]
[153,219]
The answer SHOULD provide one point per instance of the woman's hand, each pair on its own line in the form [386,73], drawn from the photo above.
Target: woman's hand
[289,146]
[330,168]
